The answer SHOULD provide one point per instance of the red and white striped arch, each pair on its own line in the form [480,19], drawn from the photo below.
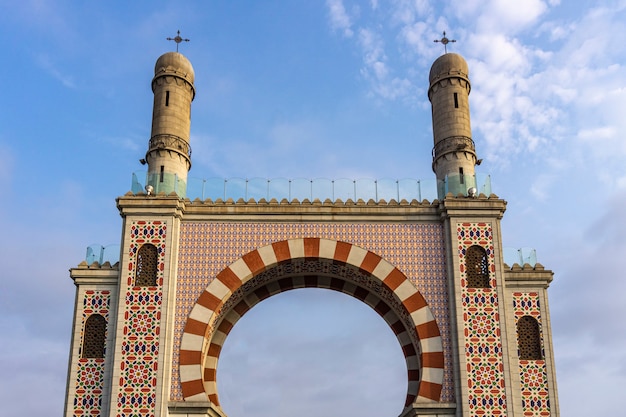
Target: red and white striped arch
[202,341]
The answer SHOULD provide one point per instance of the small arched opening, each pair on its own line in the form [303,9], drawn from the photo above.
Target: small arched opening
[94,337]
[529,338]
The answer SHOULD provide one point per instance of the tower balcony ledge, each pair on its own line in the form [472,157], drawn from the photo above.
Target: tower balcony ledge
[453,144]
[171,143]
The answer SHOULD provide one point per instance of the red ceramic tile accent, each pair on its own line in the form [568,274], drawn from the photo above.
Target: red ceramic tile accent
[228,277]
[311,247]
[254,262]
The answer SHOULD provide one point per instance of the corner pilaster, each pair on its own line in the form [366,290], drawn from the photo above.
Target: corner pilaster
[89,376]
[145,326]
[534,379]
[482,376]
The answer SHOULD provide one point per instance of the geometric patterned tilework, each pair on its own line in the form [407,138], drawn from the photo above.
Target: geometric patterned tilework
[90,371]
[141,328]
[481,321]
[206,249]
[533,373]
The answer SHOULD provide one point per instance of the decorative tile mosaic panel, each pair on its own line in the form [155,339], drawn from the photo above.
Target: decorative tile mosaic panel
[483,345]
[90,372]
[142,323]
[533,373]
[418,250]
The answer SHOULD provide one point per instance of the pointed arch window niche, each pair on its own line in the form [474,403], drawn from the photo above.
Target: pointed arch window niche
[94,336]
[146,269]
[528,338]
[477,267]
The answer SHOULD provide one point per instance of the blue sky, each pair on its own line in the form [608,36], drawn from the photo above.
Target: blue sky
[333,89]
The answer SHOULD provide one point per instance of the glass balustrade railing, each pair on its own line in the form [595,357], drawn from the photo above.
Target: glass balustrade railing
[311,189]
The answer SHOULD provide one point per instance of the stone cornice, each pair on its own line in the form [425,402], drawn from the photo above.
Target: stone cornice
[467,207]
[95,274]
[434,409]
[273,210]
[527,277]
[194,408]
[154,205]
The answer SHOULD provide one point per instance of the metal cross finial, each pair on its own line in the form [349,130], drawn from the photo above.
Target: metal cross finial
[445,41]
[178,39]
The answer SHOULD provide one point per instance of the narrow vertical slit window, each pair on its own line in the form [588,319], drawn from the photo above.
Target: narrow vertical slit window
[167,98]
[456,101]
[162,173]
[461,176]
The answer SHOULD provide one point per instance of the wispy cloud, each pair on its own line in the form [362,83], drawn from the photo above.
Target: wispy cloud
[375,68]
[524,84]
[276,142]
[134,144]
[497,16]
[339,18]
[46,63]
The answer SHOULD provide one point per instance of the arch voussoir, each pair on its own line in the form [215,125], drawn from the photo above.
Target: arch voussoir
[208,326]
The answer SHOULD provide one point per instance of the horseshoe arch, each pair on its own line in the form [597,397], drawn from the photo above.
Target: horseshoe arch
[305,263]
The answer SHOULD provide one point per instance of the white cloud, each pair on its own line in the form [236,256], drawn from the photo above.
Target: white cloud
[419,37]
[498,16]
[377,72]
[372,46]
[502,54]
[339,19]
[406,12]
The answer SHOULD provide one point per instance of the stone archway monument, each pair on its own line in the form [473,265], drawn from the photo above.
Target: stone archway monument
[190,267]
[310,263]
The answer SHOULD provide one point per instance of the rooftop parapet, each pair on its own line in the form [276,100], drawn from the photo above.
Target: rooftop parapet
[316,189]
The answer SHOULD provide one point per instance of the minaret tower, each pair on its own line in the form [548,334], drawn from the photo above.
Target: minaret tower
[169,152]
[454,156]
